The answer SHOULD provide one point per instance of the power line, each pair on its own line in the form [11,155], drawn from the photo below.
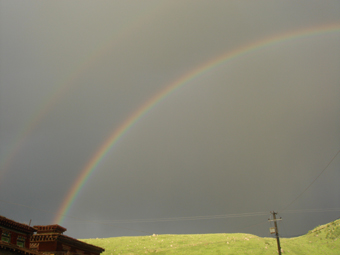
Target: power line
[50,211]
[311,182]
[75,220]
[208,217]
[313,210]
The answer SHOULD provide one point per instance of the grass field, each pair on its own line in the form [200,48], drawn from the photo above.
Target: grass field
[324,239]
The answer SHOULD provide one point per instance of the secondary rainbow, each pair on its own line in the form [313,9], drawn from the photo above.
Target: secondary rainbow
[169,89]
[66,84]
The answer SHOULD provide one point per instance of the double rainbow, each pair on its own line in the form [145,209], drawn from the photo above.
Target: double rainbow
[68,83]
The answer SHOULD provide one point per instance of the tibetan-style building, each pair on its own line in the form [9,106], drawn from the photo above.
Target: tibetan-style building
[15,237]
[50,240]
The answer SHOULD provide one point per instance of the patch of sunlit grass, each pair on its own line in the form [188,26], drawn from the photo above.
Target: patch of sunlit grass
[324,239]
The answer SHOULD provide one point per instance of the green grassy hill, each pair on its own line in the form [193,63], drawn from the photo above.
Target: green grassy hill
[324,239]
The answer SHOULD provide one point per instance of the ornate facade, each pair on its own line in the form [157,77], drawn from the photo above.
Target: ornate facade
[15,237]
[50,240]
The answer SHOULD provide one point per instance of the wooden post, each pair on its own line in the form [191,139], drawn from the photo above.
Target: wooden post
[276,232]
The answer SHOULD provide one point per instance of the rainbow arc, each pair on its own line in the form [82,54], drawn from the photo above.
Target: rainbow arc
[195,73]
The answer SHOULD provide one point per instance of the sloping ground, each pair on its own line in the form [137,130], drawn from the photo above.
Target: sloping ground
[324,239]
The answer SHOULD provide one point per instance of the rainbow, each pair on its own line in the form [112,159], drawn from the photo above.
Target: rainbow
[69,82]
[103,150]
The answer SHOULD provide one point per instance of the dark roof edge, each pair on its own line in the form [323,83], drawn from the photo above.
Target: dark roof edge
[81,243]
[16,225]
[44,237]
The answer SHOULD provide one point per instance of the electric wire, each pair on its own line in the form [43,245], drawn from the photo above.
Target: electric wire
[70,217]
[312,210]
[152,220]
[208,217]
[317,177]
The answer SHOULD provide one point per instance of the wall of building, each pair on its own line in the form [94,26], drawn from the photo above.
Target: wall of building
[14,237]
[47,246]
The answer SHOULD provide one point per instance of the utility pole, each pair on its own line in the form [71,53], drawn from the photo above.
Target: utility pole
[276,231]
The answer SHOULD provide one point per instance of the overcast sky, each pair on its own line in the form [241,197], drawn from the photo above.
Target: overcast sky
[248,135]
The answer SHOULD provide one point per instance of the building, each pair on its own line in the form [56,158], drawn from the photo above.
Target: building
[15,237]
[50,240]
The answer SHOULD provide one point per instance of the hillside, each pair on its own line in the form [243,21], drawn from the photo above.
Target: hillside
[323,239]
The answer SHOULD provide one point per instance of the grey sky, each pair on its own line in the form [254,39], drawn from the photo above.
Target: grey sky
[247,136]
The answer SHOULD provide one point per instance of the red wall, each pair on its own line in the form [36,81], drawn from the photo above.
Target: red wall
[48,246]
[14,237]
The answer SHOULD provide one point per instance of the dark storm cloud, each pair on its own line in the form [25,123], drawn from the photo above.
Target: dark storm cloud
[248,136]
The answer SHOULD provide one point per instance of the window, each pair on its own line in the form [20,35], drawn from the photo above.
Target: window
[6,236]
[21,241]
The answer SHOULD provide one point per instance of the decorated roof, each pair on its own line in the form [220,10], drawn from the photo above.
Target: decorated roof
[11,224]
[44,238]
[50,229]
[52,233]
